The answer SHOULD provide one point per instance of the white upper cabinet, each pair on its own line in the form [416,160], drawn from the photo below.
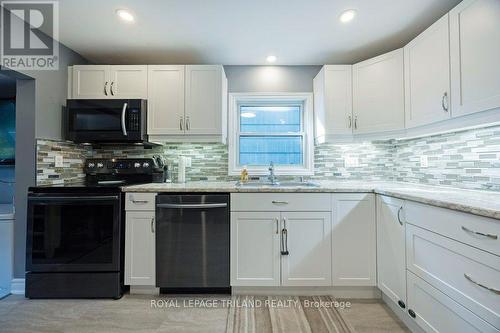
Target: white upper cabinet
[391,260]
[306,239]
[90,81]
[427,76]
[354,240]
[378,93]
[204,99]
[475,56]
[129,82]
[166,99]
[106,81]
[333,102]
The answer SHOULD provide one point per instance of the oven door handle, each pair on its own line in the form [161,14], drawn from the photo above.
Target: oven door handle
[213,205]
[124,126]
[83,198]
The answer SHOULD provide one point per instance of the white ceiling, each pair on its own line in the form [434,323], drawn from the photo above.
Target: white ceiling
[242,32]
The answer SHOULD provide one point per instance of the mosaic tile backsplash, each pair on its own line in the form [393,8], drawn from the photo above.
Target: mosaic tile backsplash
[466,159]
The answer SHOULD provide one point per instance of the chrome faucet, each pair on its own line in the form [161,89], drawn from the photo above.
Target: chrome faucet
[272,178]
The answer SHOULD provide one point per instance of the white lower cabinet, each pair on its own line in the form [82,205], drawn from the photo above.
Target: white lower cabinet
[391,261]
[306,242]
[354,258]
[434,311]
[255,248]
[140,244]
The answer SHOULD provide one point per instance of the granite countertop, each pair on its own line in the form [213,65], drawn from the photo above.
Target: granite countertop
[483,203]
[6,212]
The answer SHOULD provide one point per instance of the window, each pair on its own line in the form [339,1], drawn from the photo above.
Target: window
[271,128]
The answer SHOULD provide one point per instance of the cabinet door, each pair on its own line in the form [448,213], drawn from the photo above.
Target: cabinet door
[333,101]
[166,99]
[140,249]
[91,82]
[436,312]
[307,238]
[475,56]
[255,255]
[378,93]
[354,240]
[204,92]
[129,82]
[391,260]
[427,76]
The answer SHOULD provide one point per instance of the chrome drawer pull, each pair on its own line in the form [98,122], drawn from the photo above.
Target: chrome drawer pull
[481,285]
[280,202]
[479,233]
[140,201]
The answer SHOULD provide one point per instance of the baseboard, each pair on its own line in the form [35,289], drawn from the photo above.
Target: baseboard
[337,292]
[144,290]
[17,287]
[402,315]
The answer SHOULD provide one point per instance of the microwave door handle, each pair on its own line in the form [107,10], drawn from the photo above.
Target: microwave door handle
[124,127]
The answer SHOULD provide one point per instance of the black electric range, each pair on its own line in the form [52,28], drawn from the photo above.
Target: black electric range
[75,232]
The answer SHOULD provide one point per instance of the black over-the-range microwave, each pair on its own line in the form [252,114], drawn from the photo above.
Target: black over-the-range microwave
[109,121]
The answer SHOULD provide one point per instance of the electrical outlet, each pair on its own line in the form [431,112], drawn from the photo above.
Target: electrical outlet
[424,161]
[58,161]
[351,162]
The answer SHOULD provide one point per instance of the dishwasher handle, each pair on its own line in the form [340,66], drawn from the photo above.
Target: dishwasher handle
[192,206]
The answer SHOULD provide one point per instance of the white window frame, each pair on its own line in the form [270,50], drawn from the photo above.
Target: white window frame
[305,99]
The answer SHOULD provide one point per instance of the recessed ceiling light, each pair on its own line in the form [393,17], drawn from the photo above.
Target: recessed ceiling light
[248,115]
[347,15]
[125,15]
[271,58]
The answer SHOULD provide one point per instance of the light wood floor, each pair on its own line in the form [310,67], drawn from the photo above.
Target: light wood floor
[135,314]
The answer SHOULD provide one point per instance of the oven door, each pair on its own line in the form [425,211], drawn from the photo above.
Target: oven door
[73,232]
[96,120]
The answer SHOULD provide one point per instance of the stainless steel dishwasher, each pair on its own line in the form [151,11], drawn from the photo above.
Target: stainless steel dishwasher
[192,242]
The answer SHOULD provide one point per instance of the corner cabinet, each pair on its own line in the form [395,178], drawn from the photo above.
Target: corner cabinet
[107,82]
[332,102]
[391,260]
[475,56]
[140,240]
[378,94]
[187,103]
[354,250]
[427,76]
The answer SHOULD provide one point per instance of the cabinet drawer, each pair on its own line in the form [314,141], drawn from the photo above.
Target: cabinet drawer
[281,202]
[462,272]
[140,201]
[477,231]
[436,312]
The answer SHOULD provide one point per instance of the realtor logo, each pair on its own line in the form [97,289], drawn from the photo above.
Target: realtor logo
[29,34]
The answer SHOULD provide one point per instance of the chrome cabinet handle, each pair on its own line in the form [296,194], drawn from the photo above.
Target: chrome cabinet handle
[140,201]
[124,126]
[284,239]
[181,123]
[188,123]
[280,202]
[481,285]
[277,226]
[444,101]
[399,216]
[350,121]
[111,88]
[479,233]
[106,88]
[356,122]
[153,225]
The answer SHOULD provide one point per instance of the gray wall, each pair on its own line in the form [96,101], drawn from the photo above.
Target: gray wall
[271,78]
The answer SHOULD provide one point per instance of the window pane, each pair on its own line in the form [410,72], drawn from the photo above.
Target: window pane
[270,119]
[262,150]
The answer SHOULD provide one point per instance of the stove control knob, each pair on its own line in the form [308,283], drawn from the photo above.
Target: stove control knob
[137,165]
[100,165]
[91,165]
[145,165]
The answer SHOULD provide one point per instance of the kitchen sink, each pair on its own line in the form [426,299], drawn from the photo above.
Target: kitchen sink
[279,184]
